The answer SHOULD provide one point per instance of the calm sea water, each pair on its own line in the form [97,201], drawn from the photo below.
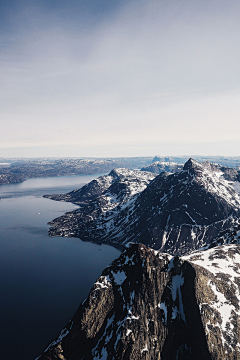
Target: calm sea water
[42,279]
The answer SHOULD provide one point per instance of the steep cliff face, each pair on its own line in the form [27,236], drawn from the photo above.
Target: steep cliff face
[149,305]
[228,236]
[175,213]
[217,291]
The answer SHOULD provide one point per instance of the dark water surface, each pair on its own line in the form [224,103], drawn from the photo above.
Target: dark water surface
[42,279]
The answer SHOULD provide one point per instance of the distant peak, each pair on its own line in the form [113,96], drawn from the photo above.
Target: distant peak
[191,164]
[114,173]
[118,172]
[162,159]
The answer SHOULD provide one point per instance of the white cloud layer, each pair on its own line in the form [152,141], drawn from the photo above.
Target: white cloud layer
[151,77]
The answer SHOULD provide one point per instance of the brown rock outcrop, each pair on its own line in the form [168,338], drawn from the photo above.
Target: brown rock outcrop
[149,305]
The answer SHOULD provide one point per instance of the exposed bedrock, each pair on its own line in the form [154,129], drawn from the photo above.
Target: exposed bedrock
[149,305]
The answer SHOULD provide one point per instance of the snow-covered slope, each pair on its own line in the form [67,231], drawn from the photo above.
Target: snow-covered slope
[135,181]
[218,296]
[149,305]
[176,213]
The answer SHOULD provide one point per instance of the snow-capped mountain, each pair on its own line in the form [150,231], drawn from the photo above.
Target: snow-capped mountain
[228,161]
[228,173]
[159,166]
[127,183]
[148,305]
[174,213]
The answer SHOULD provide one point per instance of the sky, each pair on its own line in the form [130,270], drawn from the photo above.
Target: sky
[109,78]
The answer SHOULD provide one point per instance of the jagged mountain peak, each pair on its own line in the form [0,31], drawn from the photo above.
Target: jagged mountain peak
[191,164]
[119,179]
[120,172]
[196,168]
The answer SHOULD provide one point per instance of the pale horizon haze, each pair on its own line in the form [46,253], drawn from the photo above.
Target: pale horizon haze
[119,78]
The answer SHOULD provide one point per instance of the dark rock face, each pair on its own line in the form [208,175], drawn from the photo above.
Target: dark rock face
[149,305]
[228,236]
[217,292]
[175,213]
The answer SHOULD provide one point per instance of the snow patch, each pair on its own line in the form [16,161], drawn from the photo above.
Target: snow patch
[177,282]
[102,356]
[128,332]
[163,307]
[145,349]
[119,277]
[104,282]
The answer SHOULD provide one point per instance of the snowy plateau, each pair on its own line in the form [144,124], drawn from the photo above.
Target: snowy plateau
[174,292]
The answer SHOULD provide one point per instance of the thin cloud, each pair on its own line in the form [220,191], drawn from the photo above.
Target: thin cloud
[142,73]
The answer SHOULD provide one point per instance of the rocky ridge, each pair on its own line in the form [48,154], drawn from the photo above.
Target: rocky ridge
[227,173]
[123,182]
[174,213]
[231,161]
[152,306]
[14,170]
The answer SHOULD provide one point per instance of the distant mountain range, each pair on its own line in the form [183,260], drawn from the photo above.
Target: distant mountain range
[172,212]
[18,170]
[14,170]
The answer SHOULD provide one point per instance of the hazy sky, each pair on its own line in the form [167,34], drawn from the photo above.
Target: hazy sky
[119,78]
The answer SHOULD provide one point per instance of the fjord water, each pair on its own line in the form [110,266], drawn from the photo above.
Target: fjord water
[42,279]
